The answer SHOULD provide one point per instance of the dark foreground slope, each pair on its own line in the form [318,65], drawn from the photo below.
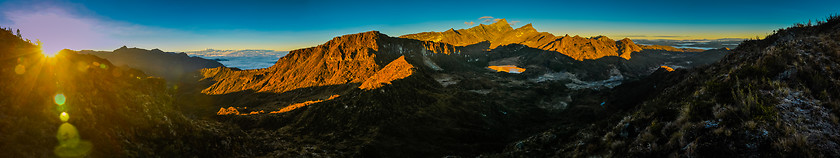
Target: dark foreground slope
[111,111]
[776,97]
[170,66]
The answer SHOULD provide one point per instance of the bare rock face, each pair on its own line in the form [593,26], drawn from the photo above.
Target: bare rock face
[464,37]
[347,59]
[626,46]
[500,34]
[395,70]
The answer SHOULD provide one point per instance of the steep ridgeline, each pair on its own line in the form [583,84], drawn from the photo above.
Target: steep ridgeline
[170,66]
[500,34]
[347,59]
[397,69]
[774,97]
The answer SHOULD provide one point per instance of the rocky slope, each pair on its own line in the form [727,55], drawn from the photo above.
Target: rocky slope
[775,97]
[500,34]
[171,66]
[343,60]
[397,69]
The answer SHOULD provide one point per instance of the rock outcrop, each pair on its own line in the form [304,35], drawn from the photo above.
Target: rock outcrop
[395,70]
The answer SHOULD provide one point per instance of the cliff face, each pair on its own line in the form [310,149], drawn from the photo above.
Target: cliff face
[347,59]
[500,34]
[397,69]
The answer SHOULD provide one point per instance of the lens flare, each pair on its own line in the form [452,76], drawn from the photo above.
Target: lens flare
[47,54]
[64,117]
[59,99]
[20,69]
[70,143]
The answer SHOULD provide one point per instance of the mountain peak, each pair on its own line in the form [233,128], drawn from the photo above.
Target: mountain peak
[397,69]
[501,22]
[369,37]
[528,26]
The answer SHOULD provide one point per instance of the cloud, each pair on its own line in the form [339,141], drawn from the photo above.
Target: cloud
[469,23]
[486,19]
[513,22]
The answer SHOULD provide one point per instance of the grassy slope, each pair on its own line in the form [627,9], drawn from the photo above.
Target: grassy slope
[772,97]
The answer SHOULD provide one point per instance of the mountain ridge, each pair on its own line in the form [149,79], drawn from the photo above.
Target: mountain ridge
[345,59]
[155,62]
[500,33]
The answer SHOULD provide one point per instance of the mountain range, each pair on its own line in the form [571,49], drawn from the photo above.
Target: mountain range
[500,34]
[209,53]
[170,66]
[486,91]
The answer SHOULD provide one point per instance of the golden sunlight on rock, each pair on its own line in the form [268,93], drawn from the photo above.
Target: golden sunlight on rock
[669,69]
[299,105]
[507,68]
[20,69]
[397,69]
[228,111]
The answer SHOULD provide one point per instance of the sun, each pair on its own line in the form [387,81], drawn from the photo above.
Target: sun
[48,54]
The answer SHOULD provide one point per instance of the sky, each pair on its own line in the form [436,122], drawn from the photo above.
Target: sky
[176,26]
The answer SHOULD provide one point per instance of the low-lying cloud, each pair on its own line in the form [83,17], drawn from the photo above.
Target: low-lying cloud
[662,36]
[486,18]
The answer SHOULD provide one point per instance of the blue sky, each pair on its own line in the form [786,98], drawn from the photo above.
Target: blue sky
[288,25]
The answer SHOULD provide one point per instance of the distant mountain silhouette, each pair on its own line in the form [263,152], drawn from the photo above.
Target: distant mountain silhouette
[170,66]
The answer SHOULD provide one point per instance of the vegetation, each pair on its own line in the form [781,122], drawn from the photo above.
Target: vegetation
[775,97]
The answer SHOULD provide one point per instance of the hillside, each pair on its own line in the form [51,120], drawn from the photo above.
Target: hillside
[774,97]
[171,66]
[79,105]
